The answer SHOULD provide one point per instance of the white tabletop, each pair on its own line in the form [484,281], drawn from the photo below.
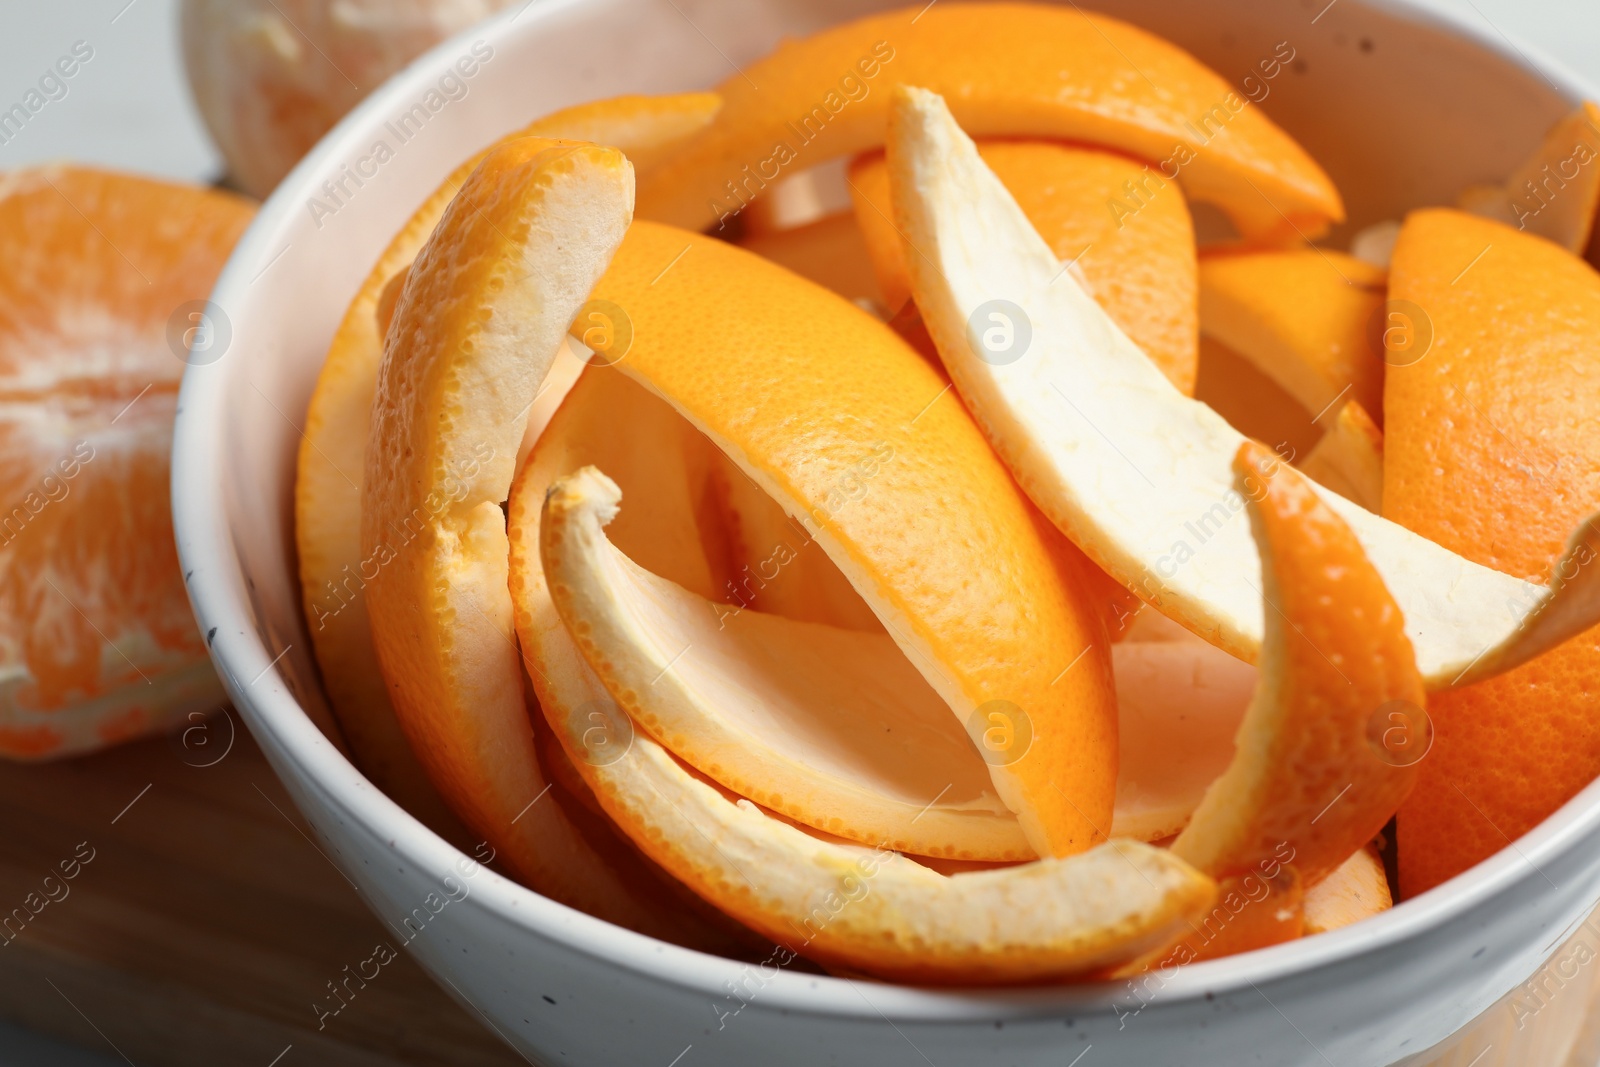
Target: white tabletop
[129,107]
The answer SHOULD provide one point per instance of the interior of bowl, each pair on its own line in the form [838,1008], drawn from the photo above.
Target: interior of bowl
[1402,106]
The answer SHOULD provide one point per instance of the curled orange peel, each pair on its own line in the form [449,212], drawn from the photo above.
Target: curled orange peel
[1313,777]
[1139,476]
[1014,70]
[338,424]
[851,433]
[853,908]
[482,314]
[1139,264]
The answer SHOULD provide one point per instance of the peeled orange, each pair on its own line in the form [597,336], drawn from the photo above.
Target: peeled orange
[102,300]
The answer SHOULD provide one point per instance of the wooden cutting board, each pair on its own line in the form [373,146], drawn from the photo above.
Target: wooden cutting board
[205,925]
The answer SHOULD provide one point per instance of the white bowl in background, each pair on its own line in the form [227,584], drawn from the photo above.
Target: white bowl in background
[1401,104]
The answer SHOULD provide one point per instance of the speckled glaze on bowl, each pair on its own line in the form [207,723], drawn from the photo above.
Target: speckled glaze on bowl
[1402,104]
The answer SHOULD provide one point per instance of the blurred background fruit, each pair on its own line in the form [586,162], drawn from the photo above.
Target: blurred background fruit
[272,76]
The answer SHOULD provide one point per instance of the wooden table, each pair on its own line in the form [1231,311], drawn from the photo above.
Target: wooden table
[206,924]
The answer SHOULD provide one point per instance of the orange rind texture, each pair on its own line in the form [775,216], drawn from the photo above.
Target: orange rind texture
[1490,450]
[484,310]
[1312,779]
[1012,70]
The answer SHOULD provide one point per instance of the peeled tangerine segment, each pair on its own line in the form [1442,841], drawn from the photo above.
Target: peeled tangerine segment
[1139,476]
[1308,318]
[852,433]
[338,425]
[851,907]
[1015,70]
[1554,192]
[1129,236]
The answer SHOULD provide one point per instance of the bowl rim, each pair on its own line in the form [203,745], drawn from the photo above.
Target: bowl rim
[281,722]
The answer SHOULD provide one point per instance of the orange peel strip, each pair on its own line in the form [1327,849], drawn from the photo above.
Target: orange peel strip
[848,429]
[484,310]
[1138,262]
[1308,318]
[1349,458]
[1491,449]
[1312,779]
[1180,704]
[1016,70]
[1555,192]
[830,727]
[332,461]
[1139,476]
[1357,889]
[858,909]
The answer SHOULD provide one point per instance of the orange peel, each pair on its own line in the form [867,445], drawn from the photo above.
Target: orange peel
[1015,70]
[1139,476]
[848,429]
[832,728]
[484,309]
[1490,449]
[1308,318]
[1312,779]
[1180,704]
[1555,192]
[1137,261]
[829,251]
[857,909]
[331,465]
[1357,889]
[1349,458]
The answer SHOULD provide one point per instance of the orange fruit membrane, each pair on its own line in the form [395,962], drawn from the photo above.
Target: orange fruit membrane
[1138,475]
[1130,239]
[1013,70]
[102,290]
[1490,450]
[334,572]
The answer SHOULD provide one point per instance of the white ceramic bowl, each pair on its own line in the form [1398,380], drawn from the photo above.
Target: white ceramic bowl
[1403,106]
